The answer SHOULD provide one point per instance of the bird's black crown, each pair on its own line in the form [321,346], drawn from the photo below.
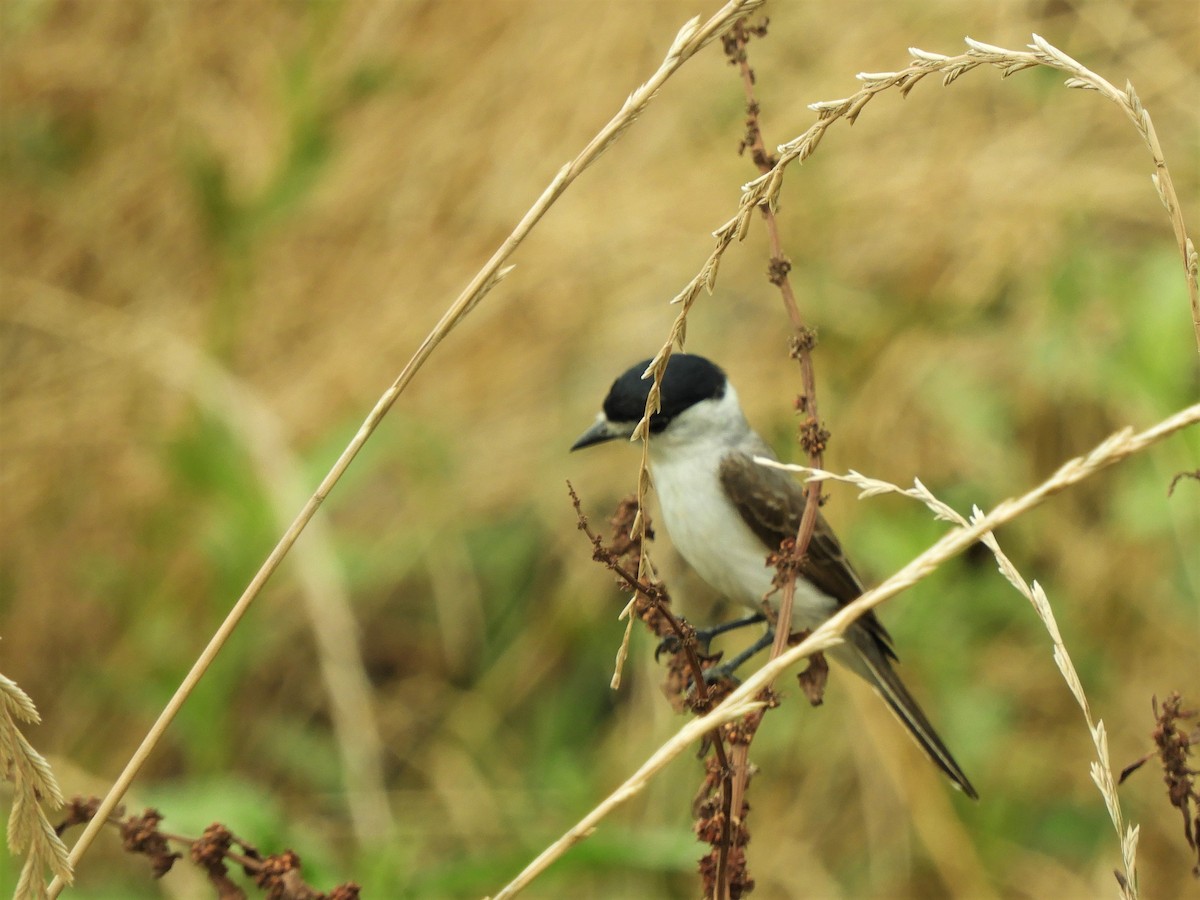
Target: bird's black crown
[688,380]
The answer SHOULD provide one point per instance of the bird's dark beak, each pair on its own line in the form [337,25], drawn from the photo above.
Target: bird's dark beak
[603,430]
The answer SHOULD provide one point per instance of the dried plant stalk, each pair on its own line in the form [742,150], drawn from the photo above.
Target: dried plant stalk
[1100,768]
[177,363]
[29,831]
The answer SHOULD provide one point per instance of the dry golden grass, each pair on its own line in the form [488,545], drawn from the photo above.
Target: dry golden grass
[987,265]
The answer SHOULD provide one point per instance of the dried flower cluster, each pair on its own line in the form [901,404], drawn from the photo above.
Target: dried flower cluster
[277,876]
[1173,746]
[688,686]
[1174,750]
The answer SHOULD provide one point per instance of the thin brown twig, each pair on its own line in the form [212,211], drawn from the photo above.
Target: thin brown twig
[278,875]
[685,636]
[813,437]
[653,593]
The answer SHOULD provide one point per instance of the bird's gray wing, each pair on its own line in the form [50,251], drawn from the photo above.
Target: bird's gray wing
[771,502]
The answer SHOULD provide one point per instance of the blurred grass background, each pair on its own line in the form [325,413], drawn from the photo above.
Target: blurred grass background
[297,191]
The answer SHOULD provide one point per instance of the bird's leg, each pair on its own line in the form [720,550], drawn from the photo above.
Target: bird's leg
[726,670]
[705,635]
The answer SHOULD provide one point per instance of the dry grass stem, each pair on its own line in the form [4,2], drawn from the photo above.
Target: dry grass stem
[178,364]
[693,37]
[29,831]
[766,188]
[1117,447]
[1101,768]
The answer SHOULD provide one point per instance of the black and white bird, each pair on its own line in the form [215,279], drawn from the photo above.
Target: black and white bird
[725,514]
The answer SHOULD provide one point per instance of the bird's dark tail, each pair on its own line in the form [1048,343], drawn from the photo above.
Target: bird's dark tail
[862,654]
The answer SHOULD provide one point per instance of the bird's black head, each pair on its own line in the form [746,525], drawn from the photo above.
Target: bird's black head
[687,380]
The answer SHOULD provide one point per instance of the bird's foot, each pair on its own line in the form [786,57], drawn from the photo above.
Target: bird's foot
[672,643]
[726,670]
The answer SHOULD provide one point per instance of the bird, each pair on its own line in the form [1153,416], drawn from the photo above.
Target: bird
[725,514]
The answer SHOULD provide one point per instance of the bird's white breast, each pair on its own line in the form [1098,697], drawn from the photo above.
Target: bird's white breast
[704,525]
